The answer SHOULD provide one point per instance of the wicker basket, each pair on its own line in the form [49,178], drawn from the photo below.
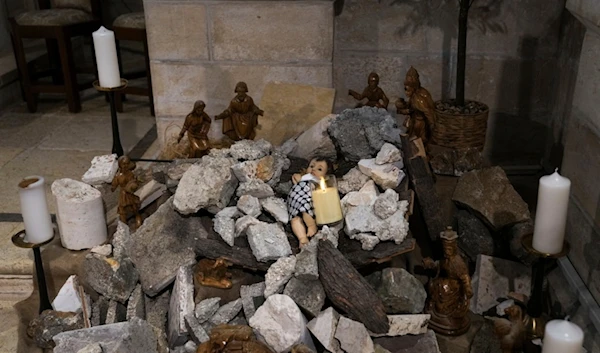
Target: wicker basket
[460,130]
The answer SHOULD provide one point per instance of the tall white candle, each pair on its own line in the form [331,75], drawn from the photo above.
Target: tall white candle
[38,225]
[106,58]
[551,215]
[562,336]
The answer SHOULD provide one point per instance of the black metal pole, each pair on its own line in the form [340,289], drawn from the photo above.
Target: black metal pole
[536,301]
[41,279]
[116,148]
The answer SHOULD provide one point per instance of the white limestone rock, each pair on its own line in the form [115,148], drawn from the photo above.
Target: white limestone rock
[316,141]
[104,250]
[277,208]
[256,188]
[206,309]
[176,172]
[388,154]
[224,224]
[69,298]
[250,150]
[388,176]
[249,205]
[103,170]
[242,224]
[328,233]
[353,336]
[365,196]
[386,204]
[352,181]
[401,325]
[268,241]
[281,324]
[368,242]
[323,327]
[182,304]
[362,219]
[278,275]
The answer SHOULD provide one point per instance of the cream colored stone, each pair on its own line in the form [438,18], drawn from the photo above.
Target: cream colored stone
[14,260]
[290,109]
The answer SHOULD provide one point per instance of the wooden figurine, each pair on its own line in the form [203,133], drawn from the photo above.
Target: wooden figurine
[373,93]
[213,273]
[129,202]
[233,339]
[511,332]
[197,125]
[450,290]
[420,108]
[241,117]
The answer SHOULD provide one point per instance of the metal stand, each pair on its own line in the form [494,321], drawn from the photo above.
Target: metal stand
[116,147]
[19,240]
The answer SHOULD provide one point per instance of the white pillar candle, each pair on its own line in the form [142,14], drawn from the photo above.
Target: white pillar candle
[106,58]
[79,214]
[38,224]
[562,336]
[551,214]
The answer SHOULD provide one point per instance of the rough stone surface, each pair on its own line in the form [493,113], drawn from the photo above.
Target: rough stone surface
[116,312]
[368,242]
[242,224]
[386,204]
[195,330]
[288,147]
[323,327]
[224,224]
[156,315]
[279,274]
[256,188]
[277,208]
[136,306]
[263,169]
[207,309]
[388,154]
[133,336]
[266,168]
[474,236]
[315,142]
[121,241]
[309,295]
[362,219]
[456,162]
[176,171]
[227,312]
[326,233]
[208,184]
[181,305]
[515,234]
[307,265]
[43,328]
[249,205]
[252,298]
[250,150]
[388,176]
[425,343]
[401,325]
[91,348]
[162,244]
[366,196]
[352,181]
[360,133]
[280,163]
[268,241]
[486,340]
[281,323]
[104,250]
[190,347]
[400,291]
[494,278]
[103,170]
[488,192]
[99,310]
[115,279]
[353,336]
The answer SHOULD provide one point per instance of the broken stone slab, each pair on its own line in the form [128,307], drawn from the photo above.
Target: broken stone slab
[150,192]
[309,295]
[105,250]
[277,208]
[156,315]
[99,311]
[220,152]
[366,196]
[489,194]
[353,336]
[250,150]
[323,327]
[367,241]
[116,312]
[226,312]
[388,176]
[181,304]
[224,224]
[280,163]
[249,205]
[175,172]
[121,241]
[91,348]
[386,204]
[242,224]
[307,265]
[69,297]
[136,306]
[288,147]
[111,277]
[268,241]
[401,325]
[400,291]
[354,180]
[280,272]
[256,188]
[195,330]
[281,323]
[425,343]
[207,309]
[208,184]
[494,278]
[474,237]
[253,296]
[315,142]
[103,170]
[165,241]
[388,154]
[50,323]
[396,226]
[135,336]
[362,219]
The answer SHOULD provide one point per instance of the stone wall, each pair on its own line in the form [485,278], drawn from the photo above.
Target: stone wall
[200,49]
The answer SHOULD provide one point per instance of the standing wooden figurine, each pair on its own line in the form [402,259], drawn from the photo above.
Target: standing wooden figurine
[450,290]
[129,202]
[420,108]
[241,117]
[373,93]
[197,125]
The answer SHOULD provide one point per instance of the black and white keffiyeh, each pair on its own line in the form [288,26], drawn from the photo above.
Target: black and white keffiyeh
[300,197]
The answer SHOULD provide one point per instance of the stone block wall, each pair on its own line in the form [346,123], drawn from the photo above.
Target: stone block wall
[200,49]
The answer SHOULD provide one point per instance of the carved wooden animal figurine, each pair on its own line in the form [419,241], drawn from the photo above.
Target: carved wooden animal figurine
[233,339]
[241,117]
[129,202]
[420,108]
[197,125]
[511,332]
[213,273]
[373,93]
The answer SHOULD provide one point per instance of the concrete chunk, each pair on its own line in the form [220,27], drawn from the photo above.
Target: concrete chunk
[253,296]
[307,266]
[401,325]
[277,208]
[309,295]
[323,327]
[136,305]
[278,275]
[195,330]
[103,170]
[113,278]
[242,224]
[116,312]
[268,241]
[249,205]
[250,150]
[388,176]
[206,309]
[388,154]
[156,315]
[353,336]
[256,188]
[226,312]
[182,304]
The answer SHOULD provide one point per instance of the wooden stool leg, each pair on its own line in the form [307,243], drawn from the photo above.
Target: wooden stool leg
[54,60]
[148,76]
[24,74]
[69,72]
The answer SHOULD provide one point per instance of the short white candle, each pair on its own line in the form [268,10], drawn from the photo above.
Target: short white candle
[38,224]
[562,336]
[551,214]
[106,58]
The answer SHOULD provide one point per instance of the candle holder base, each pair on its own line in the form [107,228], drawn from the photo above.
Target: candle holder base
[527,242]
[99,88]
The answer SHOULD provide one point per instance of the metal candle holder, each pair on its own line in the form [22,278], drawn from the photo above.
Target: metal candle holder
[19,240]
[116,148]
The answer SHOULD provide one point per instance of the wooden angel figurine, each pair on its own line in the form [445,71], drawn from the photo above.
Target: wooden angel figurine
[197,125]
[373,93]
[241,117]
[299,200]
[129,202]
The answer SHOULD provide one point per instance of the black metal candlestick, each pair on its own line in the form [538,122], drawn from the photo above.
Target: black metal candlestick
[19,240]
[117,147]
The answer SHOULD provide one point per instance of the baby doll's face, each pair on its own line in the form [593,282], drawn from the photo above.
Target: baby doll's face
[318,169]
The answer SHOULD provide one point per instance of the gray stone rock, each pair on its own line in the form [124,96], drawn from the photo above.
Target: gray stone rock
[281,323]
[353,336]
[195,330]
[104,250]
[466,160]
[242,224]
[135,336]
[388,154]
[401,325]
[156,315]
[386,204]
[91,348]
[121,241]
[208,184]
[253,296]
[284,188]
[323,327]
[190,347]
[136,306]
[474,237]
[515,234]
[354,180]
[176,171]
[245,171]
[225,227]
[227,312]
[328,233]
[399,291]
[424,343]
[277,208]
[250,150]
[442,163]
[388,176]
[367,241]
[256,188]
[114,279]
[489,194]
[207,309]
[116,312]
[280,163]
[99,310]
[220,153]
[249,205]
[315,142]
[288,147]
[43,328]
[307,265]
[309,295]
[366,196]
[165,242]
[268,241]
[278,275]
[362,219]
[181,304]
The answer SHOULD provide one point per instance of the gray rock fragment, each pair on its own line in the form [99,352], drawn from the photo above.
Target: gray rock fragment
[288,147]
[353,336]
[323,327]
[226,312]
[206,309]
[91,348]
[99,310]
[104,250]
[367,241]
[121,241]
[316,141]
[195,330]
[256,188]
[136,304]
[399,291]
[474,237]
[43,328]
[354,180]
[328,233]
[388,154]
[249,205]
[111,277]
[388,176]
[401,325]
[224,223]
[190,347]
[242,224]
[176,171]
[181,304]
[278,275]
[268,241]
[277,208]
[250,150]
[156,315]
[309,295]
[116,312]
[307,266]
[386,204]
[253,296]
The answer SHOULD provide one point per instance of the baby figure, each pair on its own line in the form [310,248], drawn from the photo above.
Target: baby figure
[299,201]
